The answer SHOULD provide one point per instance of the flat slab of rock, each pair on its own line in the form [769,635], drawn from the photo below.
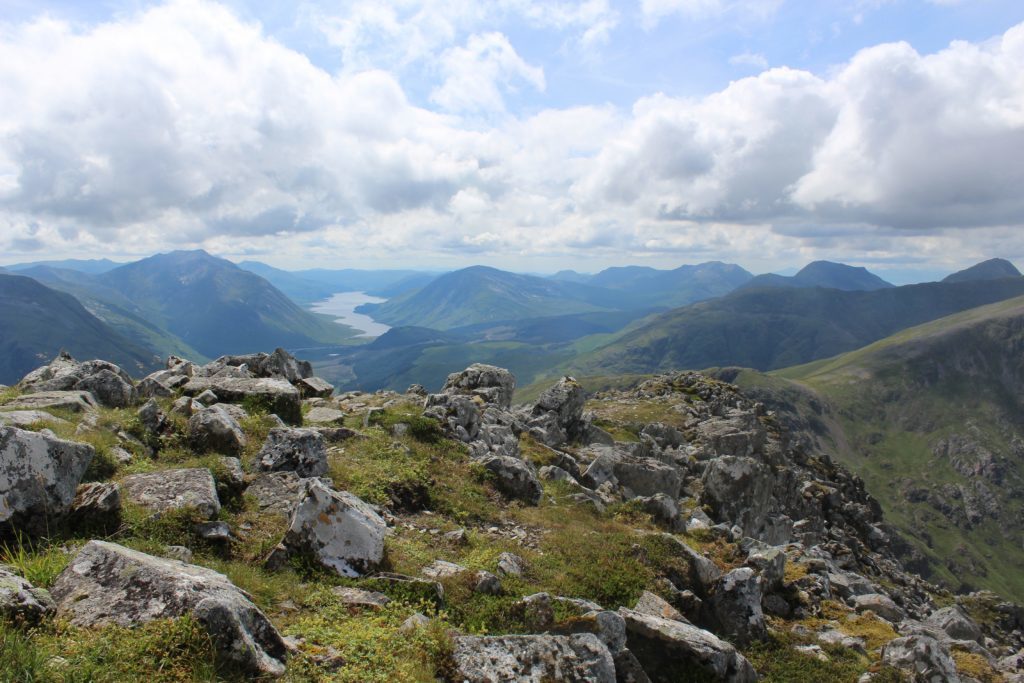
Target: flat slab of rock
[325,416]
[39,475]
[531,659]
[311,387]
[174,489]
[882,605]
[357,597]
[333,528]
[106,583]
[663,646]
[74,401]
[27,418]
[277,396]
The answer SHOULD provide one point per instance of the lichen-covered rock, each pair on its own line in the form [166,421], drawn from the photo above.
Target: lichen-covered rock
[923,657]
[557,417]
[321,415]
[21,602]
[152,417]
[955,623]
[215,429]
[174,489]
[299,450]
[334,529]
[649,603]
[97,501]
[664,646]
[111,389]
[71,401]
[276,396]
[277,492]
[108,584]
[313,387]
[515,478]
[110,384]
[492,384]
[636,476]
[27,418]
[277,365]
[581,658]
[39,475]
[882,605]
[734,607]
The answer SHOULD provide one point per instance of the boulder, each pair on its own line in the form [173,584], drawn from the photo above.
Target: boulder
[278,365]
[97,502]
[529,659]
[334,529]
[662,509]
[110,388]
[515,478]
[770,563]
[664,646]
[561,407]
[923,657]
[152,417]
[299,450]
[734,607]
[492,384]
[637,476]
[214,429]
[174,489]
[955,623]
[321,415]
[21,602]
[23,419]
[151,387]
[71,401]
[39,475]
[108,584]
[510,564]
[882,605]
[110,384]
[651,604]
[314,387]
[275,396]
[277,492]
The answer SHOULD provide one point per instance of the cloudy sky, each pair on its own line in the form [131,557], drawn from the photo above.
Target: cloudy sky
[522,134]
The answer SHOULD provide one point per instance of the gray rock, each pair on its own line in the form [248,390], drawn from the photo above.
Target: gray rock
[666,436]
[314,387]
[734,607]
[882,605]
[151,417]
[178,552]
[39,476]
[495,385]
[628,669]
[333,528]
[557,417]
[357,597]
[515,478]
[924,658]
[652,605]
[111,389]
[214,429]
[97,501]
[299,450]
[955,623]
[277,492]
[770,564]
[538,613]
[663,646]
[153,387]
[108,584]
[581,658]
[230,476]
[214,532]
[276,396]
[325,416]
[415,622]
[21,602]
[487,583]
[186,406]
[511,565]
[110,385]
[23,419]
[662,509]
[702,573]
[416,390]
[743,491]
[208,398]
[174,489]
[636,476]
[71,401]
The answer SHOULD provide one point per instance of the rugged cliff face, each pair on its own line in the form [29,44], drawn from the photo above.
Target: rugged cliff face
[674,530]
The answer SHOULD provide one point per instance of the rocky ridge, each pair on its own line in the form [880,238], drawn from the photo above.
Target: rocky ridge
[677,528]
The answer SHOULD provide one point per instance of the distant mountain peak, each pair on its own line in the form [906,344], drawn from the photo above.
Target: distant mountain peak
[992,269]
[828,274]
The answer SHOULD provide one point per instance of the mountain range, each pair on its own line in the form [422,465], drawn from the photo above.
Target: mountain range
[824,274]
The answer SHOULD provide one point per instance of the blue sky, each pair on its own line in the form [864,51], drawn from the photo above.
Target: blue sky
[532,136]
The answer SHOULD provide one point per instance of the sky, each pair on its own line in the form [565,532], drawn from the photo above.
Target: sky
[532,136]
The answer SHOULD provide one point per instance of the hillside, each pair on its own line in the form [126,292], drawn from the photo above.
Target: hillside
[933,419]
[669,288]
[36,322]
[665,530]
[307,286]
[777,327]
[480,295]
[824,274]
[90,266]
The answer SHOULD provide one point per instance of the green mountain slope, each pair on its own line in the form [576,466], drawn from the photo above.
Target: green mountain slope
[677,287]
[778,327]
[215,306]
[36,322]
[480,294]
[933,419]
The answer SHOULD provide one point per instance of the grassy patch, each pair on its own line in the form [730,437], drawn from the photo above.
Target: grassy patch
[38,562]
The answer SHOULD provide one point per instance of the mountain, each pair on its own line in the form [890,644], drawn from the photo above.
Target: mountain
[481,294]
[215,306]
[297,288]
[308,286]
[772,328]
[36,322]
[824,274]
[993,269]
[933,419]
[91,266]
[671,288]
[571,276]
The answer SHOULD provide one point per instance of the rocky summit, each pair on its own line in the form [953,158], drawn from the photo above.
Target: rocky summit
[239,520]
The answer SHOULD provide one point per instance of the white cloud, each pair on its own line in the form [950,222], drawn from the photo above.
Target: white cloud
[476,75]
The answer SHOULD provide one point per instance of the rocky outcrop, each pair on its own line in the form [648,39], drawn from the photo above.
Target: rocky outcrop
[579,658]
[298,450]
[514,477]
[174,490]
[277,365]
[108,584]
[276,396]
[491,384]
[334,529]
[39,475]
[111,385]
[923,658]
[71,401]
[557,417]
